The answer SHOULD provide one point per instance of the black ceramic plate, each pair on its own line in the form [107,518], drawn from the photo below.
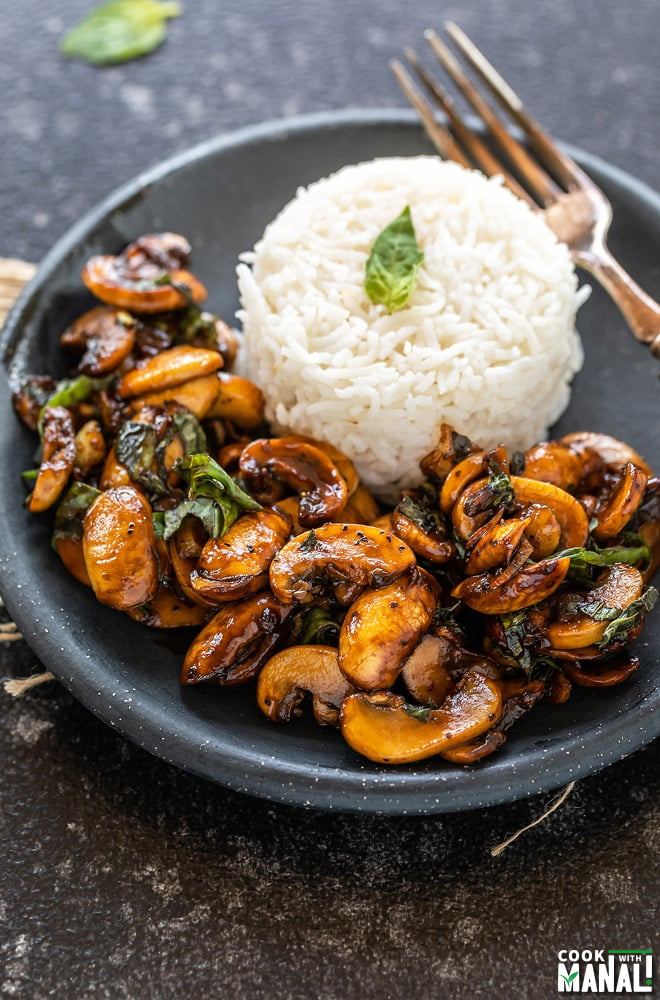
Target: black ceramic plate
[221,195]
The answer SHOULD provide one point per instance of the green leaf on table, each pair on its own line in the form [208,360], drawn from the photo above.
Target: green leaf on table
[119,30]
[393,264]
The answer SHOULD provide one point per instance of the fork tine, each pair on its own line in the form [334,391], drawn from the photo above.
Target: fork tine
[470,140]
[564,167]
[439,136]
[538,180]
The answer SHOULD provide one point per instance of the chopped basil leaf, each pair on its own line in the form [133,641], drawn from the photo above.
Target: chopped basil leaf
[422,508]
[190,431]
[319,627]
[135,448]
[119,30]
[213,496]
[497,492]
[628,618]
[71,511]
[310,542]
[393,264]
[69,391]
[635,552]
[421,713]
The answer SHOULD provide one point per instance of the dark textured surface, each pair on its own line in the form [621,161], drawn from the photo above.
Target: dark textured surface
[125,878]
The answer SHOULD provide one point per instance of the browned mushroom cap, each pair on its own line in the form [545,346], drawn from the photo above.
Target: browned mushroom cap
[382,727]
[615,454]
[103,336]
[337,554]
[238,400]
[236,564]
[144,278]
[167,369]
[570,514]
[614,512]
[607,674]
[531,584]
[543,531]
[460,477]
[494,544]
[451,448]
[238,640]
[167,610]
[477,749]
[617,587]
[299,670]
[59,456]
[554,463]
[90,448]
[382,628]
[268,462]
[426,674]
[119,547]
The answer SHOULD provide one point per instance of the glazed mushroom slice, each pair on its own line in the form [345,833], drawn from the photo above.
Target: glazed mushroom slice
[267,464]
[426,674]
[103,337]
[384,728]
[238,400]
[418,521]
[338,458]
[167,369]
[31,396]
[477,749]
[543,530]
[460,477]
[616,509]
[381,629]
[337,555]
[292,674]
[582,618]
[59,456]
[495,544]
[568,511]
[147,277]
[197,395]
[606,674]
[90,448]
[450,449]
[233,647]
[551,462]
[500,593]
[236,564]
[614,453]
[119,546]
[168,610]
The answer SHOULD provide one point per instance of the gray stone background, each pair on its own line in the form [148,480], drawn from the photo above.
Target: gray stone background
[122,877]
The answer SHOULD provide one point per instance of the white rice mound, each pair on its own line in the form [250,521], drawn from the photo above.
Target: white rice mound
[486,341]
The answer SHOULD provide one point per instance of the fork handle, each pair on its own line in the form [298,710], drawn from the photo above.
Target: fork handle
[641,312]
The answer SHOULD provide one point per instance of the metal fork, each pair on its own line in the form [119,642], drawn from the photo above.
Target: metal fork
[573,206]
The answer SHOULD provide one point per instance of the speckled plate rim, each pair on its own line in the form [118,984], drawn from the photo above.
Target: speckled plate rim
[243,768]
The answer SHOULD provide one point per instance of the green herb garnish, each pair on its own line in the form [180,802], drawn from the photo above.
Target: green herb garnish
[135,448]
[393,264]
[630,617]
[634,552]
[213,496]
[71,511]
[421,713]
[70,391]
[119,30]
[319,627]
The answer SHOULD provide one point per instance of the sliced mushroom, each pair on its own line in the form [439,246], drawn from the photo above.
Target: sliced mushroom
[607,674]
[426,673]
[59,456]
[70,551]
[451,448]
[477,749]
[30,398]
[460,477]
[418,521]
[167,610]
[574,628]
[531,584]
[338,458]
[363,502]
[90,448]
[167,369]
[196,395]
[337,554]
[621,503]
[291,674]
[494,544]
[543,530]
[551,462]
[558,689]
[233,647]
[236,564]
[615,454]
[381,629]
[382,727]
[268,462]
[568,511]
[147,277]
[119,547]
[114,473]
[104,337]
[238,400]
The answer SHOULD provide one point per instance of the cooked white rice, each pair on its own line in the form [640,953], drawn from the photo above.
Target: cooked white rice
[486,342]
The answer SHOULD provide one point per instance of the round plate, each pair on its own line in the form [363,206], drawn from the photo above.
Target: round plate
[221,195]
